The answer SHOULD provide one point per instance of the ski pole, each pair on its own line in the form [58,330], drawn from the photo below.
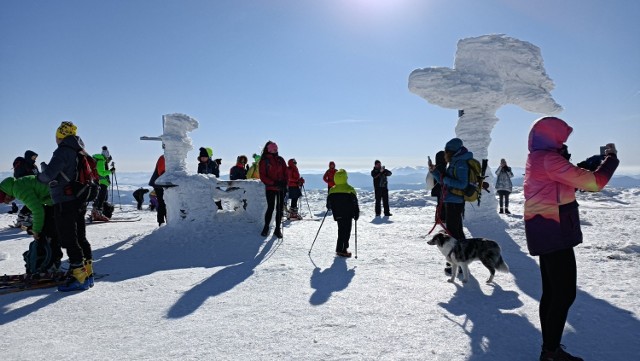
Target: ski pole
[321,223]
[356,239]
[115,177]
[307,199]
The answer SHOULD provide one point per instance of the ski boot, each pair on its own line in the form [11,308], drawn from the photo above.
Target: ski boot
[77,280]
[88,266]
[96,215]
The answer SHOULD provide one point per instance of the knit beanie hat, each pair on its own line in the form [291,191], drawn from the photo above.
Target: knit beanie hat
[66,129]
[203,152]
[453,145]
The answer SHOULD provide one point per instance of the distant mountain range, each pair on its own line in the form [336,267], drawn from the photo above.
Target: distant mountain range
[402,178]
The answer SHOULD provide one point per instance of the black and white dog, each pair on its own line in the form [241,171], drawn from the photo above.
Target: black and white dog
[462,253]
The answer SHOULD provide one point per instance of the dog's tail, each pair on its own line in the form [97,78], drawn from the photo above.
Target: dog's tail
[501,265]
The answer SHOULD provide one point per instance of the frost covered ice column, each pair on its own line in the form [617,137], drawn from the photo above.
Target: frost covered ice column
[489,71]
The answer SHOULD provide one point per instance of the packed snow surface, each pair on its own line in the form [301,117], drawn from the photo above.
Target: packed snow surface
[221,291]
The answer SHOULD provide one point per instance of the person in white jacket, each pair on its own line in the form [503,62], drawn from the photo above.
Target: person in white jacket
[504,185]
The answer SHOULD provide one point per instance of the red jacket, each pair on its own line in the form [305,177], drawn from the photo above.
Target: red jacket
[329,174]
[273,172]
[294,175]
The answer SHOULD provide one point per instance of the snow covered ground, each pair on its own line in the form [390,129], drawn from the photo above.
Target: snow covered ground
[222,292]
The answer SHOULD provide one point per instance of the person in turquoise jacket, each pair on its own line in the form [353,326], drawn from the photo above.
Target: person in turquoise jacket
[102,166]
[36,196]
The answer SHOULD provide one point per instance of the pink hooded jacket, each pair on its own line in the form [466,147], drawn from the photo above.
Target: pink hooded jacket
[550,210]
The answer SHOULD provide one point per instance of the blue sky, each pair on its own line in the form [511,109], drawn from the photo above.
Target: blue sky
[326,80]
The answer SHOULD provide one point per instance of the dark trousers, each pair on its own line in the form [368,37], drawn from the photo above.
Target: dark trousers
[162,207]
[70,224]
[382,194]
[344,233]
[559,278]
[504,197]
[140,199]
[50,232]
[453,214]
[102,196]
[275,199]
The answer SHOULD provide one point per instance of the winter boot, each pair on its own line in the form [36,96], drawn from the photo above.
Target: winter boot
[88,266]
[277,232]
[294,215]
[501,210]
[506,210]
[558,355]
[265,231]
[77,280]
[96,215]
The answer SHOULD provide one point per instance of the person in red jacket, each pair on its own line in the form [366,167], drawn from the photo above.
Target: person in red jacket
[162,207]
[273,173]
[329,174]
[295,182]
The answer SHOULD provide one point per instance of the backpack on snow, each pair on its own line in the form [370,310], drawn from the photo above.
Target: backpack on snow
[39,257]
[476,177]
[87,182]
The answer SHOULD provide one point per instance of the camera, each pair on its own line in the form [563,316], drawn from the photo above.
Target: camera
[603,149]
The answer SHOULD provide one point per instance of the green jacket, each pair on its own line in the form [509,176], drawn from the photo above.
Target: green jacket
[32,193]
[102,166]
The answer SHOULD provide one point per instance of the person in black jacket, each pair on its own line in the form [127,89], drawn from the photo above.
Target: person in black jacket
[206,165]
[24,166]
[69,210]
[138,194]
[380,174]
[343,203]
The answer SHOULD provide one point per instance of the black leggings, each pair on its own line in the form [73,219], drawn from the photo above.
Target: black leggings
[272,196]
[559,278]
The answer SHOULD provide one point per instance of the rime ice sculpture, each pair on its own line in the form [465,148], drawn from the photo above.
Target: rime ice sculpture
[489,71]
[190,197]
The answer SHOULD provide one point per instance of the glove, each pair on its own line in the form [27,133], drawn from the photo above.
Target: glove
[301,181]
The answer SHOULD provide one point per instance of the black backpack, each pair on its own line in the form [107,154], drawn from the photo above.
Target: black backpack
[39,257]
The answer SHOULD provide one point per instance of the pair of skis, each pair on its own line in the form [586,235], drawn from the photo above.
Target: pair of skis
[27,282]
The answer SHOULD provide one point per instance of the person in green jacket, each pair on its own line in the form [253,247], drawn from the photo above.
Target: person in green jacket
[343,203]
[102,166]
[36,196]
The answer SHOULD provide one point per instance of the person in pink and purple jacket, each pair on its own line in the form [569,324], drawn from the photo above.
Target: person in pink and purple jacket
[552,223]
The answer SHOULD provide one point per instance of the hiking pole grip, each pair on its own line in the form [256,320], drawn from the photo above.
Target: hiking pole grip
[319,228]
